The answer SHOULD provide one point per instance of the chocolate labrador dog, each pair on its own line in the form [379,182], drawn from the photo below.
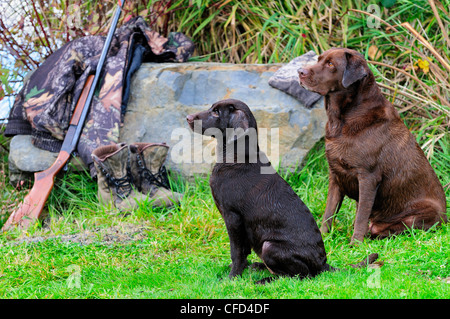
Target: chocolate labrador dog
[260,209]
[372,156]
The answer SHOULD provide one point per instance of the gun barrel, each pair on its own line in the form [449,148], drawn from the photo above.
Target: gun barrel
[78,129]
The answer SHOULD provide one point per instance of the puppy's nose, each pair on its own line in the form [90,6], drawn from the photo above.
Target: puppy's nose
[190,118]
[303,72]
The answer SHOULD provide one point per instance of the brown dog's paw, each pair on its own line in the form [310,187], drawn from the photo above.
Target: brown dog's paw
[355,241]
[324,229]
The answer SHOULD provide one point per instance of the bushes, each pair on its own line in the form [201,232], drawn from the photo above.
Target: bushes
[413,73]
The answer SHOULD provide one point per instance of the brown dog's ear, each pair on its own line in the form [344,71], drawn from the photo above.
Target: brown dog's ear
[354,71]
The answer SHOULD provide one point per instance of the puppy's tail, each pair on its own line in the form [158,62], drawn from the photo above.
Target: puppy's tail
[364,263]
[367,261]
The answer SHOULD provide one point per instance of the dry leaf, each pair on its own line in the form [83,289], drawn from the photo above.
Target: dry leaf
[374,52]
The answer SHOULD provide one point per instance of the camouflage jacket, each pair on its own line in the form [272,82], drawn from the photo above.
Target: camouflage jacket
[44,106]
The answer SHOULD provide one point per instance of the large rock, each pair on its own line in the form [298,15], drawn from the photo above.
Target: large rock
[25,159]
[162,95]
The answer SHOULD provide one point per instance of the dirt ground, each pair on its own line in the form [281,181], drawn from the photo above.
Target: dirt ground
[123,233]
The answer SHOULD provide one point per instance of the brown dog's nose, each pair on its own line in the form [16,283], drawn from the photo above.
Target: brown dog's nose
[190,118]
[303,72]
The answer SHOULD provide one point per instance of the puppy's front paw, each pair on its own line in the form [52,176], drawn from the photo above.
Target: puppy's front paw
[235,272]
[233,275]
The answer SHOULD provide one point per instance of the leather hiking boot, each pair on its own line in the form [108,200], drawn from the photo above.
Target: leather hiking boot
[115,184]
[150,174]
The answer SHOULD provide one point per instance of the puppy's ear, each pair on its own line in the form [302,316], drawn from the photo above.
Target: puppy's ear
[238,119]
[239,123]
[354,70]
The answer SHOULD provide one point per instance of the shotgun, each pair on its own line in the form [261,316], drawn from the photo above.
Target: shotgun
[33,204]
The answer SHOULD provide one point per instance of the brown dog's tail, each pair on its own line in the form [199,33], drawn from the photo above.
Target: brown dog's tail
[364,263]
[367,261]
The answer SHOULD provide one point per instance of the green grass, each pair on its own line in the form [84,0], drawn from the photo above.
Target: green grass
[183,252]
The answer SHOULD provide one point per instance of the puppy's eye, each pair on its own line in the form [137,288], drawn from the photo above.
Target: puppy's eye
[231,108]
[330,64]
[215,112]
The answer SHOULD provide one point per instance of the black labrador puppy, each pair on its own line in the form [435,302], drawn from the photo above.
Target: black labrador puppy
[260,209]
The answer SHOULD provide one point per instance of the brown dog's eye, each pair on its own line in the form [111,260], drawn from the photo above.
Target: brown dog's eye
[330,64]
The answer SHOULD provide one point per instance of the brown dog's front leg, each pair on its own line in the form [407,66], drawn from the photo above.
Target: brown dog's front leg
[334,201]
[367,192]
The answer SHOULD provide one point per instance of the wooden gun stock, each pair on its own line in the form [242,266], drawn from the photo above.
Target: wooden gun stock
[31,208]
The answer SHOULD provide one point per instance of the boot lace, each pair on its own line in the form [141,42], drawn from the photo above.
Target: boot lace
[159,179]
[122,184]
